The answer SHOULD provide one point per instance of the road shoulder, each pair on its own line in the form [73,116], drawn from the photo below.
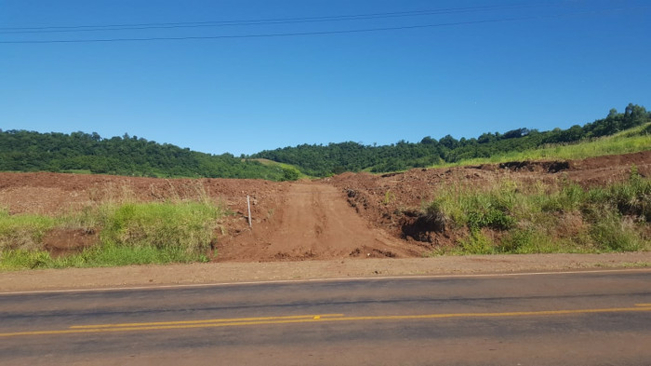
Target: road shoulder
[211,273]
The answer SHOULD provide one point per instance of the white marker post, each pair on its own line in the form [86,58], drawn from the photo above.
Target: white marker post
[248,205]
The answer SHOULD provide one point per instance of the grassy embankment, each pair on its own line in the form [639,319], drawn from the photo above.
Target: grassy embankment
[128,233]
[512,218]
[290,172]
[630,141]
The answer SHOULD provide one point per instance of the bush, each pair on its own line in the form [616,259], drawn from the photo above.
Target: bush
[290,174]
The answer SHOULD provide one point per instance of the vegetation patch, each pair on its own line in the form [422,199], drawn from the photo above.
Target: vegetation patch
[129,233]
[617,133]
[508,218]
[78,152]
[84,153]
[586,148]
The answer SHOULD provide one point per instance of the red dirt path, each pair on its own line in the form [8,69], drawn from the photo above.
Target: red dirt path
[313,221]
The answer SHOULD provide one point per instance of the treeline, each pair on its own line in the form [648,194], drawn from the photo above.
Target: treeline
[22,150]
[334,158]
[57,152]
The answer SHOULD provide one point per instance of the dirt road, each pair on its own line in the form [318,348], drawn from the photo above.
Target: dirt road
[313,220]
[544,319]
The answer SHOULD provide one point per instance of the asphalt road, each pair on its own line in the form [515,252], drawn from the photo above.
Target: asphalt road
[597,318]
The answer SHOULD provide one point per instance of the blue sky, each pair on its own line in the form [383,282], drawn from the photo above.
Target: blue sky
[478,66]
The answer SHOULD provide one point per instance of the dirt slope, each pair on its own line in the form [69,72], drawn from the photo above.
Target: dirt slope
[380,199]
[313,220]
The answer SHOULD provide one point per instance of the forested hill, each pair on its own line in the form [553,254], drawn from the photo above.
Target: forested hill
[57,152]
[322,160]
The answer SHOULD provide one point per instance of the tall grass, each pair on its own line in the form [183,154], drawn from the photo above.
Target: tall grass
[23,232]
[130,233]
[507,218]
[187,225]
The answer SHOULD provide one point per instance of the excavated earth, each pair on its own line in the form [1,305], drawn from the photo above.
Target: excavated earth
[347,216]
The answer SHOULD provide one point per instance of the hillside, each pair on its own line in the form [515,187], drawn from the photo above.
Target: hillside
[79,152]
[335,158]
[26,151]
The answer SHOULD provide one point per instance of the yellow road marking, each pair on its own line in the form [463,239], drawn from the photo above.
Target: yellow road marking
[311,318]
[642,304]
[227,320]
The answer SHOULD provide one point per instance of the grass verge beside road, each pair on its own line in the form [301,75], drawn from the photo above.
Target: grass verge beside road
[115,234]
[512,218]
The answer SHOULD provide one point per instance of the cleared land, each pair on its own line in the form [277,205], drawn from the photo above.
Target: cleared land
[352,215]
[305,229]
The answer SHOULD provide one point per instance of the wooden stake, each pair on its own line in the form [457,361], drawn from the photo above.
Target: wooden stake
[248,205]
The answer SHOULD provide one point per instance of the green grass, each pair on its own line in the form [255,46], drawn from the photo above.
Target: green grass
[23,231]
[186,225]
[623,143]
[101,256]
[291,171]
[507,218]
[77,171]
[130,233]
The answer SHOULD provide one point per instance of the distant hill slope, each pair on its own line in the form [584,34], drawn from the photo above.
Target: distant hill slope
[322,160]
[27,151]
[57,152]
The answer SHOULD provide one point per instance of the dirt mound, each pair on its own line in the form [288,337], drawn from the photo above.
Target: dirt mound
[349,215]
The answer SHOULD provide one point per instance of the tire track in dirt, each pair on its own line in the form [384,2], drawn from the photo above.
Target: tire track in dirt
[313,221]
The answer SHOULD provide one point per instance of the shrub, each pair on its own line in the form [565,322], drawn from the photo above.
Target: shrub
[290,174]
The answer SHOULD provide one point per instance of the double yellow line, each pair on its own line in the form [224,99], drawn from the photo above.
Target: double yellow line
[211,323]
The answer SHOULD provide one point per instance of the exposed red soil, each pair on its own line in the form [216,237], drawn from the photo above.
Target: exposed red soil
[312,221]
[349,215]
[61,242]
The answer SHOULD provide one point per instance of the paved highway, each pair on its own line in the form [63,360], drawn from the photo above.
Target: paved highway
[583,318]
